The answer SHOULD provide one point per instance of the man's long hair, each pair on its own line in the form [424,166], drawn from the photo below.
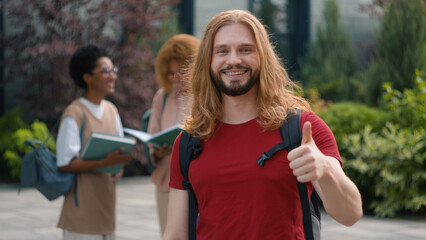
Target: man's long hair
[275,94]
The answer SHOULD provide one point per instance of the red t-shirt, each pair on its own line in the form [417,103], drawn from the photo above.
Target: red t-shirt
[238,199]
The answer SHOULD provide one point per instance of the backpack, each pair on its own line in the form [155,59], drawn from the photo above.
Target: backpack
[39,170]
[190,148]
[144,127]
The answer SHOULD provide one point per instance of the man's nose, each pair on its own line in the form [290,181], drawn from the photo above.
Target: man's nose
[233,58]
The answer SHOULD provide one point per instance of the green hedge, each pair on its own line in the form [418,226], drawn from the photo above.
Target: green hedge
[389,169]
[346,118]
[13,133]
[385,160]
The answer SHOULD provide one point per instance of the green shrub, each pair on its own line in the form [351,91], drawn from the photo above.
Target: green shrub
[8,124]
[408,108]
[389,169]
[346,118]
[389,165]
[13,135]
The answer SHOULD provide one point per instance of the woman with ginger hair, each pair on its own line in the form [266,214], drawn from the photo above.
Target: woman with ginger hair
[169,107]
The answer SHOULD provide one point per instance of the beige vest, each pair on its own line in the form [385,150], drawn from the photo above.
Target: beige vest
[95,213]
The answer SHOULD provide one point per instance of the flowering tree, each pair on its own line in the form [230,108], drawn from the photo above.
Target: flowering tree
[46,33]
[41,36]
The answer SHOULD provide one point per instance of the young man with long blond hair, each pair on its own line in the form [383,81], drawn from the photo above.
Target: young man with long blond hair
[241,96]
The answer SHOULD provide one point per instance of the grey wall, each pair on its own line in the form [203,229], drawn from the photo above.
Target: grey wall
[206,9]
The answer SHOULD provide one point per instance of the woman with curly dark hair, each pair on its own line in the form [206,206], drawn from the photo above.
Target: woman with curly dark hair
[91,68]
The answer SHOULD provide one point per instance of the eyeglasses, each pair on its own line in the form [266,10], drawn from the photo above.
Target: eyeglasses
[106,70]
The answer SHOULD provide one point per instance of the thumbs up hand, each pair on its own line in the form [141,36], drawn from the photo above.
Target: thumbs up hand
[307,161]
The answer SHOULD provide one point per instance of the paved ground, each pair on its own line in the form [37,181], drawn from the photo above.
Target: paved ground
[30,216]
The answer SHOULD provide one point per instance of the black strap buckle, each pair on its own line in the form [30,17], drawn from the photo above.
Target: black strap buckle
[263,158]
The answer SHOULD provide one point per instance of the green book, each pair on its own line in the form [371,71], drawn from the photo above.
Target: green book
[100,145]
[166,136]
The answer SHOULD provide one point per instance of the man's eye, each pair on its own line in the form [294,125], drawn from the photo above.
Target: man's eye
[221,51]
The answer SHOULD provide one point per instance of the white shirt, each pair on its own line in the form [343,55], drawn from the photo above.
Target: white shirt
[68,142]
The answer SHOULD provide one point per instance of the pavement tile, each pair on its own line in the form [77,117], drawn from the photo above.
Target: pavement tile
[29,216]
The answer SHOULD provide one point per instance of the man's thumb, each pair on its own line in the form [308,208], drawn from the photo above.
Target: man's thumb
[307,133]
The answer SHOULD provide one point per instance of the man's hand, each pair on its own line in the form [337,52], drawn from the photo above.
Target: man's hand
[339,195]
[307,161]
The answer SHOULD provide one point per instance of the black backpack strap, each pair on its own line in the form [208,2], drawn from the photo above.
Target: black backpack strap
[290,131]
[189,149]
[306,210]
[268,154]
[315,215]
[292,136]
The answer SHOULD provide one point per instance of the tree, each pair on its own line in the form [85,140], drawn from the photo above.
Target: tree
[47,33]
[268,12]
[400,47]
[330,64]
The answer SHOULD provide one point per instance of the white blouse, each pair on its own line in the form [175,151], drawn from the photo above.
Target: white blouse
[68,142]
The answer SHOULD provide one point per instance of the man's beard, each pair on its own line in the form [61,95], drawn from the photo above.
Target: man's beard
[235,88]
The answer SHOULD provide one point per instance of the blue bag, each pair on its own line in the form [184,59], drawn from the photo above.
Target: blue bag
[39,170]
